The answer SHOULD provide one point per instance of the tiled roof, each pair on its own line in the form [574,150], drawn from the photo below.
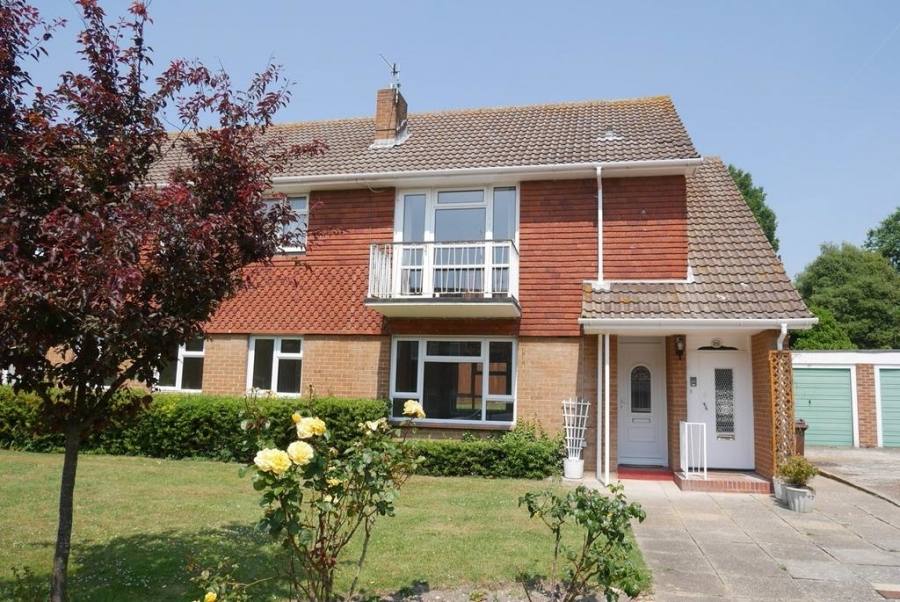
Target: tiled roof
[309,299]
[577,132]
[736,273]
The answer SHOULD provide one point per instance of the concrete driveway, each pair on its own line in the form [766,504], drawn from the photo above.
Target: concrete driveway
[877,469]
[703,546]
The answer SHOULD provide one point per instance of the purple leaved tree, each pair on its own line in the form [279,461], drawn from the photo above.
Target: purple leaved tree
[108,260]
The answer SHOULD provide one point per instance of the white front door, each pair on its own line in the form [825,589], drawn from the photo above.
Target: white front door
[642,402]
[720,394]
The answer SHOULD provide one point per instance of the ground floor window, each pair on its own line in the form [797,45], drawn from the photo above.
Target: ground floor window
[275,364]
[471,380]
[184,367]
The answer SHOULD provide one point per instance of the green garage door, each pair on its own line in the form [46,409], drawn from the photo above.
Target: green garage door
[824,400]
[890,407]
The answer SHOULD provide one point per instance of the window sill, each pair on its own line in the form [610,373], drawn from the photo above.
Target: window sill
[468,425]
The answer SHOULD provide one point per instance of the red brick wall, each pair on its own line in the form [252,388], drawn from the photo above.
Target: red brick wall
[450,327]
[558,251]
[552,369]
[323,291]
[865,400]
[763,418]
[347,366]
[644,227]
[676,400]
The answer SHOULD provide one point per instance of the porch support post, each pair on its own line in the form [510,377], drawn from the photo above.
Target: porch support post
[606,409]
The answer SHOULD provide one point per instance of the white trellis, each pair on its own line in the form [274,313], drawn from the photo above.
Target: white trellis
[575,418]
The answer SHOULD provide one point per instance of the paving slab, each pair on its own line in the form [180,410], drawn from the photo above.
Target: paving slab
[710,546]
[872,468]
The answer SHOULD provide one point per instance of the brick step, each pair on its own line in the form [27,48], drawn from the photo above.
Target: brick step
[724,482]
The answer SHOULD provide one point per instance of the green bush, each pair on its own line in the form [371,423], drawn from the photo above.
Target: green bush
[797,471]
[523,453]
[179,425]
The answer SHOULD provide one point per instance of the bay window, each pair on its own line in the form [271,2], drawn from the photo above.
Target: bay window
[183,370]
[275,364]
[465,380]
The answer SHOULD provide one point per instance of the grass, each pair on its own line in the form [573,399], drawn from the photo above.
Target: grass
[139,522]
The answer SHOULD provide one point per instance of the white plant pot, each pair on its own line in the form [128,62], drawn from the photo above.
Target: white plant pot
[573,468]
[778,485]
[800,499]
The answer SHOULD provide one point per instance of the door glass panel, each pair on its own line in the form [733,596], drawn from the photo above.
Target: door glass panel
[504,227]
[459,224]
[289,375]
[414,218]
[453,390]
[640,390]
[192,373]
[724,383]
[168,372]
[407,377]
[262,363]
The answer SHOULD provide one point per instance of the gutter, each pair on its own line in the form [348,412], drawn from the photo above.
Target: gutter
[782,335]
[604,325]
[615,167]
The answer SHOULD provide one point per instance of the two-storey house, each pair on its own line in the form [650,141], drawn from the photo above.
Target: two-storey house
[491,263]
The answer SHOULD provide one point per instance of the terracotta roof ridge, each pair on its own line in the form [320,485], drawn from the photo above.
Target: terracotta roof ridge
[663,99]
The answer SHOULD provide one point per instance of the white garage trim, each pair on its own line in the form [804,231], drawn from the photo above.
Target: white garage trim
[854,408]
[879,434]
[879,357]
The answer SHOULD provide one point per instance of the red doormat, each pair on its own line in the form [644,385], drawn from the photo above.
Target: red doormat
[645,474]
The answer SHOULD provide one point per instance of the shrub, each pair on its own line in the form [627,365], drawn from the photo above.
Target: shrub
[179,425]
[797,471]
[316,498]
[602,556]
[524,453]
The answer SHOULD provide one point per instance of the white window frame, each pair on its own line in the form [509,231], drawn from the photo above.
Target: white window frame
[182,354]
[6,375]
[305,213]
[431,205]
[484,359]
[276,356]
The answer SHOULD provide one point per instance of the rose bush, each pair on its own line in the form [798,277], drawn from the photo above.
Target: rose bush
[317,498]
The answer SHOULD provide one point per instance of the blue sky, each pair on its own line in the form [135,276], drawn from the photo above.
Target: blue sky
[804,95]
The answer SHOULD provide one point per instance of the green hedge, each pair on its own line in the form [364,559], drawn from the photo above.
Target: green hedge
[208,426]
[524,453]
[187,425]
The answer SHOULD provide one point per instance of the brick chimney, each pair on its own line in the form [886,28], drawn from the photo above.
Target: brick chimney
[390,117]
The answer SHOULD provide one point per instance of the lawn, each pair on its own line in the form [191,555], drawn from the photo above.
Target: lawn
[139,522]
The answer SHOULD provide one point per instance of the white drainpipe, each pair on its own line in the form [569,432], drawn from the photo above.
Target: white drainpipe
[782,336]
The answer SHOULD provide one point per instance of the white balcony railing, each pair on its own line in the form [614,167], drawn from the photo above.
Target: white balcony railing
[423,270]
[693,449]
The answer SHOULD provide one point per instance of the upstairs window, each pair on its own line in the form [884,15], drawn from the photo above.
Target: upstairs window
[275,364]
[299,226]
[457,215]
[184,367]
[455,380]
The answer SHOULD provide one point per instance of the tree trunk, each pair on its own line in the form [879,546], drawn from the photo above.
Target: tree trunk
[58,580]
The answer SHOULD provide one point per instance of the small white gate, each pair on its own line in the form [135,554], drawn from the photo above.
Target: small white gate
[693,449]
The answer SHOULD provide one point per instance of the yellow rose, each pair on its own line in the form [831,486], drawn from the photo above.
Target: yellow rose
[374,425]
[300,452]
[296,417]
[413,409]
[272,460]
[333,482]
[210,597]
[310,427]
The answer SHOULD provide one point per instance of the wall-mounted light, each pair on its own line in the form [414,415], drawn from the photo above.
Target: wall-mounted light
[679,346]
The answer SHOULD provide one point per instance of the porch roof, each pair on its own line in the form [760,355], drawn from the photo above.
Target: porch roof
[736,275]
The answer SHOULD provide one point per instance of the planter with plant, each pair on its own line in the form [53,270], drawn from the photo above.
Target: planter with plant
[796,472]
